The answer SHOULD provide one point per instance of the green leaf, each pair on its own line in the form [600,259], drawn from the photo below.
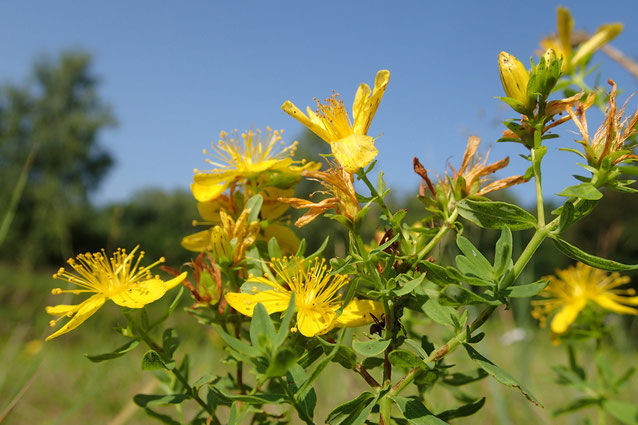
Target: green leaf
[458,379]
[283,360]
[409,286]
[566,216]
[353,412]
[284,327]
[591,260]
[237,344]
[153,361]
[262,330]
[345,356]
[525,291]
[120,351]
[583,191]
[370,348]
[402,358]
[503,252]
[497,373]
[144,400]
[307,402]
[254,205]
[495,215]
[625,412]
[415,412]
[273,248]
[258,399]
[575,405]
[440,275]
[170,341]
[476,259]
[459,295]
[439,313]
[466,410]
[161,417]
[204,380]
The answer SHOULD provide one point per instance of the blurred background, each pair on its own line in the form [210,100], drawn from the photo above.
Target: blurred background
[106,107]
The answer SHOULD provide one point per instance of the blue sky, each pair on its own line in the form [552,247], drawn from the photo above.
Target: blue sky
[177,73]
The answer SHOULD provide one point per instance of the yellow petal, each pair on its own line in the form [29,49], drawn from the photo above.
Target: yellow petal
[358,313]
[311,322]
[286,238]
[354,152]
[170,284]
[62,309]
[272,208]
[296,113]
[209,210]
[366,110]
[274,301]
[197,242]
[140,294]
[567,315]
[206,189]
[608,303]
[603,35]
[565,27]
[84,311]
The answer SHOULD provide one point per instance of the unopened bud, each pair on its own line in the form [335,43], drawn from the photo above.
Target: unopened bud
[514,77]
[550,56]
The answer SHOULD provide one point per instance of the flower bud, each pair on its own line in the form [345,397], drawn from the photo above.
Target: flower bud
[550,56]
[514,77]
[603,35]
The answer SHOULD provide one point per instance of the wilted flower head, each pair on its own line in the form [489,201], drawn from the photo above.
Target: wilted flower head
[609,140]
[244,157]
[349,139]
[471,179]
[566,39]
[571,289]
[342,197]
[317,296]
[119,278]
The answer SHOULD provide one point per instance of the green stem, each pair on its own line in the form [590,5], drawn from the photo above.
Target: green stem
[540,208]
[447,225]
[385,411]
[153,346]
[363,177]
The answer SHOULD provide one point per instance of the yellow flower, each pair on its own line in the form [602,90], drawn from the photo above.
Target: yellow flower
[342,199]
[571,289]
[562,42]
[349,139]
[245,157]
[514,77]
[119,279]
[609,140]
[228,241]
[316,297]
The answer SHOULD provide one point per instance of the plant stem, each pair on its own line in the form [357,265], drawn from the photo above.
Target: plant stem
[365,375]
[385,411]
[447,225]
[540,208]
[363,177]
[153,346]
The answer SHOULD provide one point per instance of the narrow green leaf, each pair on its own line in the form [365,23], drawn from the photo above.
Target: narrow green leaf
[409,286]
[262,330]
[257,399]
[204,380]
[284,327]
[497,373]
[345,356]
[440,275]
[625,412]
[153,361]
[283,360]
[144,400]
[254,205]
[402,358]
[458,379]
[525,291]
[439,313]
[415,412]
[474,256]
[583,191]
[273,248]
[236,344]
[591,260]
[566,216]
[353,412]
[306,403]
[495,215]
[578,404]
[466,410]
[370,348]
[503,252]
[170,341]
[161,417]
[459,295]
[120,351]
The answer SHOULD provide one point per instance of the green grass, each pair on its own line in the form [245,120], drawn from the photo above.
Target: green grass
[66,388]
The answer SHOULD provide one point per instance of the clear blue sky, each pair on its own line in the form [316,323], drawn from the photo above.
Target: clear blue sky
[176,73]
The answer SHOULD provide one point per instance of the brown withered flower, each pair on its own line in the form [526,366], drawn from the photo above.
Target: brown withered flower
[609,139]
[471,179]
[342,197]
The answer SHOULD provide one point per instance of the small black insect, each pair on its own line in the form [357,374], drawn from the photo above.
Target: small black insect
[378,326]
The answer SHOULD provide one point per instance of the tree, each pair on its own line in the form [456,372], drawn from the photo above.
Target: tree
[58,116]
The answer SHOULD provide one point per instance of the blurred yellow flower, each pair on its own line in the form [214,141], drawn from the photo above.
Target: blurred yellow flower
[571,289]
[562,42]
[316,297]
[349,140]
[119,279]
[244,157]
